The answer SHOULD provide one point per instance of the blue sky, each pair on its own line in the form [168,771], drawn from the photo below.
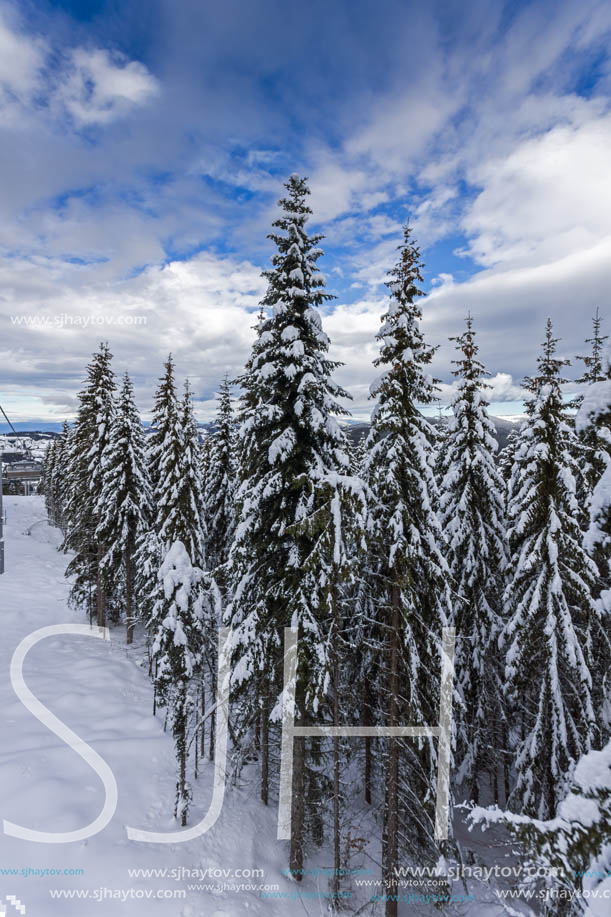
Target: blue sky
[143,147]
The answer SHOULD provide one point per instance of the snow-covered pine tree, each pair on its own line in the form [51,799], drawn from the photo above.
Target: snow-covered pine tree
[183,611]
[125,503]
[594,362]
[90,589]
[405,560]
[472,513]
[291,453]
[60,476]
[441,430]
[220,483]
[593,424]
[572,849]
[594,438]
[507,454]
[178,614]
[164,420]
[48,467]
[164,428]
[548,600]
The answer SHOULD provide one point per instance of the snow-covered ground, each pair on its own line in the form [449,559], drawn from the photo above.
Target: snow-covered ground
[102,691]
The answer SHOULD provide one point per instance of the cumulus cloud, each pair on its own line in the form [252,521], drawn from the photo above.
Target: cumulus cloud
[202,311]
[92,85]
[141,182]
[99,86]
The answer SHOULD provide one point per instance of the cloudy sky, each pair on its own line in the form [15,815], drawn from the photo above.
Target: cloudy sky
[143,147]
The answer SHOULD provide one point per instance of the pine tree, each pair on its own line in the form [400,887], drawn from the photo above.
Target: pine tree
[164,430]
[593,423]
[48,468]
[90,588]
[507,454]
[60,476]
[163,423]
[406,562]
[292,451]
[572,849]
[183,613]
[220,483]
[548,599]
[472,510]
[125,504]
[595,440]
[178,616]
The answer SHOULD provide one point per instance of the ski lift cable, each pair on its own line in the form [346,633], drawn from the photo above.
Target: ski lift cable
[26,449]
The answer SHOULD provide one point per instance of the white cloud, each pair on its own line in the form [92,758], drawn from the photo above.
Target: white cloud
[550,197]
[92,85]
[21,60]
[99,87]
[201,310]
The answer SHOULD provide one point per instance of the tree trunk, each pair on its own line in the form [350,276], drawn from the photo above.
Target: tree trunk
[298,800]
[129,587]
[202,738]
[391,808]
[265,745]
[368,742]
[100,594]
[336,758]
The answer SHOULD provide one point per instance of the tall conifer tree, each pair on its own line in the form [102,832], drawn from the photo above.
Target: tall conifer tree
[124,506]
[292,450]
[548,598]
[405,558]
[472,511]
[90,588]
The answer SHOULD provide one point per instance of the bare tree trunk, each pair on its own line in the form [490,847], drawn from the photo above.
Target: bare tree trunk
[129,587]
[101,595]
[391,808]
[336,758]
[265,745]
[202,737]
[368,743]
[211,741]
[298,800]
[258,736]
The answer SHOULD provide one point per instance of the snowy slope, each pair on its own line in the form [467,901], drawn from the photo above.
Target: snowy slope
[102,694]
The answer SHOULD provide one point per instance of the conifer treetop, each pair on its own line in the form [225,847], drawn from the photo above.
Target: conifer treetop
[403,348]
[594,362]
[549,369]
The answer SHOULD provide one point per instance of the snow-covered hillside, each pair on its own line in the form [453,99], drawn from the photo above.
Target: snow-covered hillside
[103,694]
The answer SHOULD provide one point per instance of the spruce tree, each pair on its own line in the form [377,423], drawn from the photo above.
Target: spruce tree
[548,599]
[472,510]
[178,623]
[220,483]
[165,429]
[125,504]
[407,564]
[594,438]
[292,451]
[88,442]
[183,613]
[593,423]
[48,468]
[60,476]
